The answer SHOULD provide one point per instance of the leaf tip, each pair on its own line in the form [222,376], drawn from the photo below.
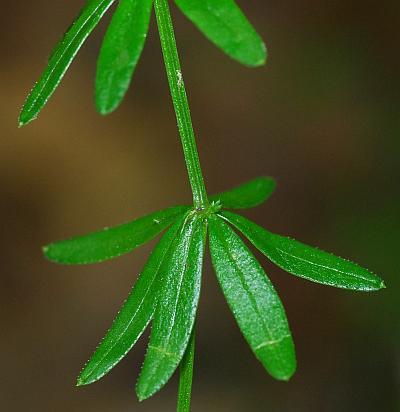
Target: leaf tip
[80,382]
[104,103]
[86,378]
[379,284]
[105,112]
[104,109]
[262,58]
[82,379]
[49,253]
[141,393]
[285,378]
[46,251]
[24,119]
[140,397]
[253,64]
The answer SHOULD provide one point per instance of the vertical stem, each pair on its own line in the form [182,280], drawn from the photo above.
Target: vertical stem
[186,376]
[180,101]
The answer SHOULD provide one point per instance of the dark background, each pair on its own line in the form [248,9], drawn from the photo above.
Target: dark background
[322,118]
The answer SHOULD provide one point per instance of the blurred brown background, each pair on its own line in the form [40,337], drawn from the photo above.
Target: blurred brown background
[322,118]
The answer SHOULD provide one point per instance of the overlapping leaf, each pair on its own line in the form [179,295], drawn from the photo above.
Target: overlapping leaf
[225,25]
[221,21]
[120,52]
[175,313]
[305,261]
[247,195]
[169,285]
[62,57]
[112,242]
[170,282]
[134,316]
[253,300]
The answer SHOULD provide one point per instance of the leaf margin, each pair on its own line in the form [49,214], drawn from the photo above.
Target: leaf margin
[169,215]
[190,11]
[240,223]
[106,105]
[264,185]
[31,108]
[286,367]
[142,387]
[151,269]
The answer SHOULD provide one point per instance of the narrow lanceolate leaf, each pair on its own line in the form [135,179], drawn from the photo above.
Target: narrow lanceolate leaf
[176,310]
[250,194]
[62,57]
[306,261]
[253,300]
[223,23]
[120,52]
[133,317]
[111,242]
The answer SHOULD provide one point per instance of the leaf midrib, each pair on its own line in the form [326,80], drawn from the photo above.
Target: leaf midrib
[132,318]
[254,303]
[187,249]
[351,274]
[155,223]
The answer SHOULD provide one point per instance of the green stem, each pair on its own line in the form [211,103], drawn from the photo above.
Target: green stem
[180,101]
[186,376]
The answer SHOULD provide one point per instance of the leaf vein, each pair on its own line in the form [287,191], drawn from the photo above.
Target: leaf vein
[251,297]
[281,251]
[271,342]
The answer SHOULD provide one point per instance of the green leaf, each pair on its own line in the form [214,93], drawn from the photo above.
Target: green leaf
[134,316]
[109,243]
[62,57]
[223,23]
[250,194]
[120,52]
[176,310]
[253,300]
[305,261]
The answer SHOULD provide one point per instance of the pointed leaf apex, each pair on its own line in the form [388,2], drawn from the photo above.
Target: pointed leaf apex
[253,301]
[62,57]
[80,382]
[285,378]
[141,395]
[20,123]
[263,59]
[109,243]
[305,261]
[145,391]
[104,110]
[224,24]
[25,118]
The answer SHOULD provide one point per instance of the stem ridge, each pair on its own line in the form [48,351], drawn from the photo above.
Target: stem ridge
[180,102]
